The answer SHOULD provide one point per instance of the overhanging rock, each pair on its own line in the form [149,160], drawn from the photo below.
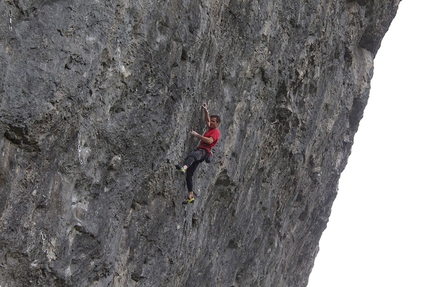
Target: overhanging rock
[97,102]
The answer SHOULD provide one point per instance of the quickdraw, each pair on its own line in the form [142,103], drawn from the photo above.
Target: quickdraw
[10,20]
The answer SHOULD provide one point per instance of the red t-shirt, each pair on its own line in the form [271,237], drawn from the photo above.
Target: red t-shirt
[212,133]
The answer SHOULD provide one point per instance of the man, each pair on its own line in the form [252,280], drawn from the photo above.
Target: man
[202,152]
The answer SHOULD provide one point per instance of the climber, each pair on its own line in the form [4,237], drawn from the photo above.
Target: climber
[202,152]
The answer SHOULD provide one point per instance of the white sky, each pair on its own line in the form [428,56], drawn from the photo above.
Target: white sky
[379,229]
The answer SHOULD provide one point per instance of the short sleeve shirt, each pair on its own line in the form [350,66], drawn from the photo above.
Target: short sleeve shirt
[212,133]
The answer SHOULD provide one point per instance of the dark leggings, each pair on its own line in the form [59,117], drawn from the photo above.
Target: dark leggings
[192,161]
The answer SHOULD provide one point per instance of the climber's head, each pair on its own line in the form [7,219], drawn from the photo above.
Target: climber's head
[215,121]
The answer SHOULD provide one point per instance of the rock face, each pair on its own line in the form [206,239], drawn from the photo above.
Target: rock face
[97,102]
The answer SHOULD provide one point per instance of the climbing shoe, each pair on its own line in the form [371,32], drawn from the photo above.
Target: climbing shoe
[180,168]
[188,200]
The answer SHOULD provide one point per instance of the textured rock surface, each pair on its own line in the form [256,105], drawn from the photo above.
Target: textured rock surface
[97,101]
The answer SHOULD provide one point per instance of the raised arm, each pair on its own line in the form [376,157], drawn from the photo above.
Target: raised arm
[207,118]
[207,140]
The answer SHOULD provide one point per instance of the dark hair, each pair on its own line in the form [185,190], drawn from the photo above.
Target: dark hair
[218,119]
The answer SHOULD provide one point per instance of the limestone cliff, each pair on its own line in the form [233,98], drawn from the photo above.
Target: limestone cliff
[97,102]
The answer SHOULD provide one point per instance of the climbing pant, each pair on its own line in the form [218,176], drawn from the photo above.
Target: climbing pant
[192,161]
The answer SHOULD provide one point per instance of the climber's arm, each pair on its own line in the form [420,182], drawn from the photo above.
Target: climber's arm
[207,117]
[207,140]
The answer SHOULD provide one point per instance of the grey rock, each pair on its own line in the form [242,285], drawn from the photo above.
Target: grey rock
[97,102]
